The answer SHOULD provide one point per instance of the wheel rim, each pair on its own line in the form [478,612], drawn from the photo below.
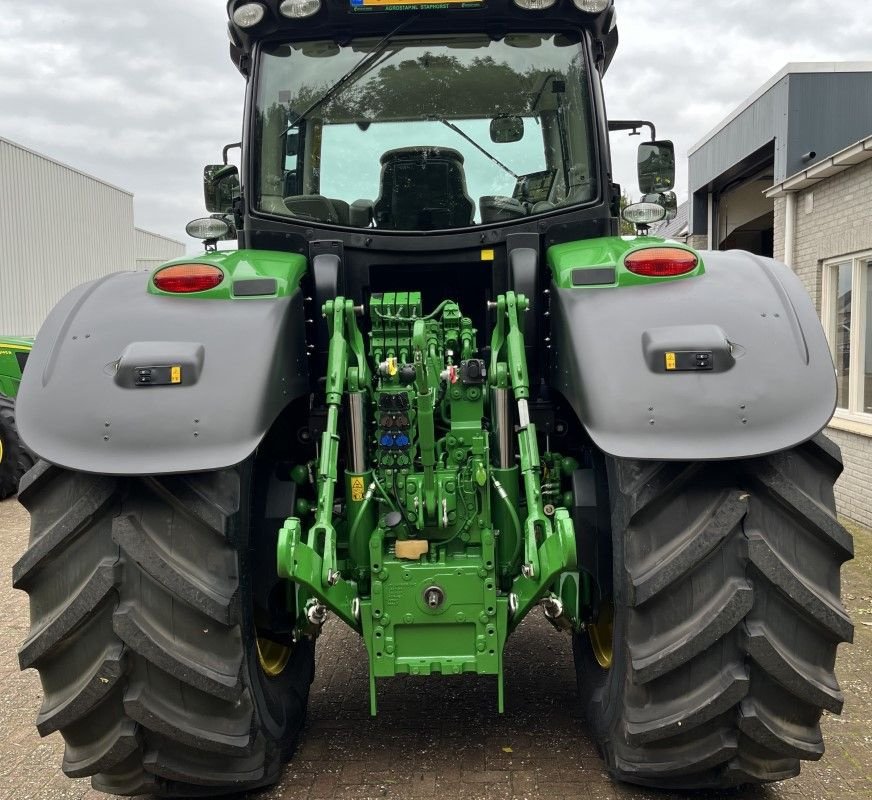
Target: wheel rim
[601,634]
[272,656]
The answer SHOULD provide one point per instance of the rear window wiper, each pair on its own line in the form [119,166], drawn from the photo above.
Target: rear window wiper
[477,146]
[361,66]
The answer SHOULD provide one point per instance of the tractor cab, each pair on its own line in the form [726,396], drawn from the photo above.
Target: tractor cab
[391,119]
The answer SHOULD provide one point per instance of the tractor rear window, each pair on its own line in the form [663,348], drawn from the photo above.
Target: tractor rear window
[424,133]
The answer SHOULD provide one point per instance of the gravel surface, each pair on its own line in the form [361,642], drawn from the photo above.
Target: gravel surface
[442,738]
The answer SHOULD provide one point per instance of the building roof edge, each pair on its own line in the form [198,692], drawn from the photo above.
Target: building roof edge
[793,68]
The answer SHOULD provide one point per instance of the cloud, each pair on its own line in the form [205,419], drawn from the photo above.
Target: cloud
[143,95]
[687,65]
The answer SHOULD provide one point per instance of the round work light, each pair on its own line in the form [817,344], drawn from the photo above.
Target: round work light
[534,5]
[591,6]
[299,9]
[248,15]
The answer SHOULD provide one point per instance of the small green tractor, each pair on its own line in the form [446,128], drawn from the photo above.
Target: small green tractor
[15,458]
[431,392]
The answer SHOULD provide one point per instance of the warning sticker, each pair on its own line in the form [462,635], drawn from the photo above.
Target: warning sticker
[670,361]
[356,490]
[175,374]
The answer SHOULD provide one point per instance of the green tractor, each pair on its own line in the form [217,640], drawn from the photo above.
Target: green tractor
[15,458]
[433,391]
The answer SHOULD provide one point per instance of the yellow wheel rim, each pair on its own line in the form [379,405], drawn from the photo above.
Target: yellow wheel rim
[273,657]
[601,633]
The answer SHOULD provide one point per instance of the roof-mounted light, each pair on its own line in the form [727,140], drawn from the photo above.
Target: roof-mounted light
[299,9]
[591,6]
[249,14]
[661,262]
[534,5]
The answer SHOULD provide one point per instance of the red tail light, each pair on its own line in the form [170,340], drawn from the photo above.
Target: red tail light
[185,278]
[661,262]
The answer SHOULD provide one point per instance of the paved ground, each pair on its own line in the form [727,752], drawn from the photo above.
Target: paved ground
[442,738]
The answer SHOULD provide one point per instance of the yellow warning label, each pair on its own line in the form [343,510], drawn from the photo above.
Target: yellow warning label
[356,490]
[487,255]
[670,361]
[175,374]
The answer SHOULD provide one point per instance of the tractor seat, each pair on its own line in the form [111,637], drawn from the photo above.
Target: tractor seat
[423,188]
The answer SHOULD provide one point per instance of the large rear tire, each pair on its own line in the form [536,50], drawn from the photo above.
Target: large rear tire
[727,618]
[142,630]
[15,458]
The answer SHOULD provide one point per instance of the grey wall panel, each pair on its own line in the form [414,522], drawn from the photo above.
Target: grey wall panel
[828,112]
[152,250]
[756,126]
[59,228]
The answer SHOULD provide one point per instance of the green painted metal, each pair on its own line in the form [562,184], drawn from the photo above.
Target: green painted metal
[286,268]
[609,251]
[11,350]
[433,554]
[312,562]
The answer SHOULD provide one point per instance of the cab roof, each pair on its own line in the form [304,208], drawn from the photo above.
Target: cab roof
[344,20]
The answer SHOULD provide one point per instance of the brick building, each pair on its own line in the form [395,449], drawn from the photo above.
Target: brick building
[789,175]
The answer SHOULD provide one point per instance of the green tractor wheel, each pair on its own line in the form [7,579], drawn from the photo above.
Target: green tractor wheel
[157,666]
[15,458]
[726,619]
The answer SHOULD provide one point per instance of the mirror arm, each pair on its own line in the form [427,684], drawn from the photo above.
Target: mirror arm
[228,148]
[633,126]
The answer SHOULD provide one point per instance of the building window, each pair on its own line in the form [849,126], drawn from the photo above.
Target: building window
[847,316]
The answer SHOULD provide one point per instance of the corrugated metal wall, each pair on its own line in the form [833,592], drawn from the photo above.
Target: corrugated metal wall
[153,250]
[58,228]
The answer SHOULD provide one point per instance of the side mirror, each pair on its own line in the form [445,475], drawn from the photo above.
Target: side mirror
[656,167]
[506,129]
[220,187]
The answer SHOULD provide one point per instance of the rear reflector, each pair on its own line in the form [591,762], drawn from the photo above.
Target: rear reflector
[661,262]
[185,278]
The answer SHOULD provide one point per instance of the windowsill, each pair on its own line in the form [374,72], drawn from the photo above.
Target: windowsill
[861,424]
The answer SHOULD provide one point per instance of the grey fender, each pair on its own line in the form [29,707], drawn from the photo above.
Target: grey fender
[771,382]
[240,363]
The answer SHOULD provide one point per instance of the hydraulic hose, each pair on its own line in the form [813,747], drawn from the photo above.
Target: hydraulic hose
[513,516]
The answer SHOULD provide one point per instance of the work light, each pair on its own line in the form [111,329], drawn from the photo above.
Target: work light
[298,9]
[644,213]
[591,6]
[207,228]
[248,15]
[534,5]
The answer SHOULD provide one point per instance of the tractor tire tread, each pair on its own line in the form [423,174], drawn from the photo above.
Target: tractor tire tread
[17,459]
[142,665]
[728,619]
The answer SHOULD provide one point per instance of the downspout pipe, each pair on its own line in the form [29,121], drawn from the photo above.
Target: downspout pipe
[789,228]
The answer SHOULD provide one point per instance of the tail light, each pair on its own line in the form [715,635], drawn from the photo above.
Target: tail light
[661,262]
[187,278]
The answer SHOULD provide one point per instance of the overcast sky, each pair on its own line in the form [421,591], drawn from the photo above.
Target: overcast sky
[144,94]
